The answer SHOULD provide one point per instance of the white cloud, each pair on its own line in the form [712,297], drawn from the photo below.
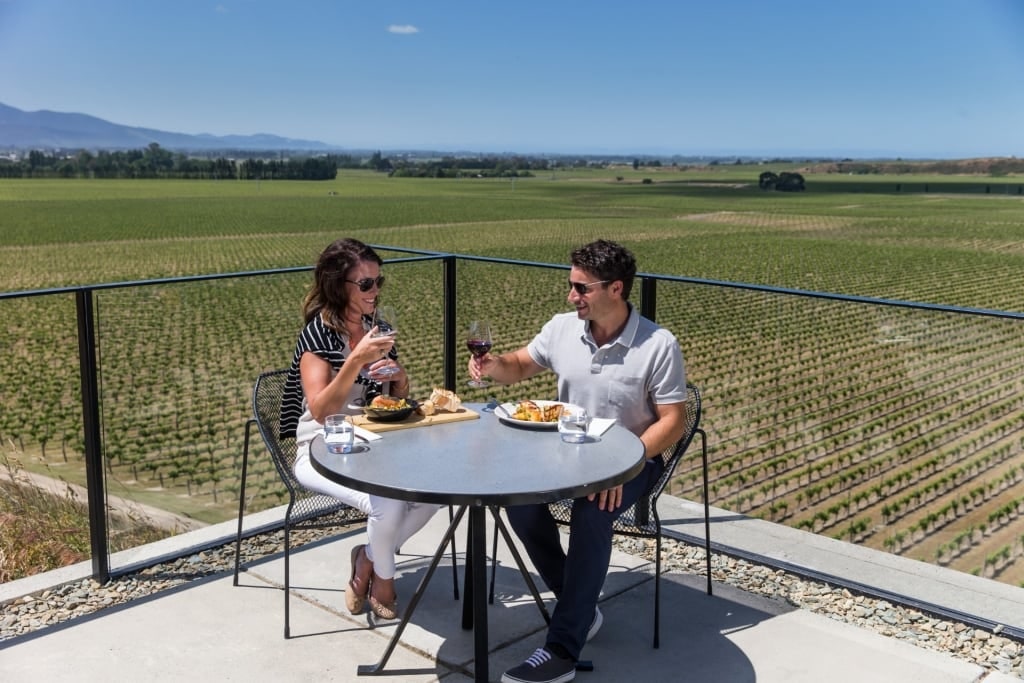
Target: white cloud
[403,29]
[220,9]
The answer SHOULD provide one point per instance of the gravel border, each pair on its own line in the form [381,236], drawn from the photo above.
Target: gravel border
[992,651]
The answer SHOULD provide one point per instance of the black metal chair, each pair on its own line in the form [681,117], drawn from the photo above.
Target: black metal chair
[641,519]
[306,509]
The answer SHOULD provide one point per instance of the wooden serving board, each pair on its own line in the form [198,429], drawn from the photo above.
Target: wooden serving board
[415,420]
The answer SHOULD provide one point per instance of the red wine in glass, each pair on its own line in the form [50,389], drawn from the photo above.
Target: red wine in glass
[478,347]
[478,341]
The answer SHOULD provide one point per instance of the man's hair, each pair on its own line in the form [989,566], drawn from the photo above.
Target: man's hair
[607,260]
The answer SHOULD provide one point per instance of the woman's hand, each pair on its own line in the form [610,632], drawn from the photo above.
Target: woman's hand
[377,371]
[372,350]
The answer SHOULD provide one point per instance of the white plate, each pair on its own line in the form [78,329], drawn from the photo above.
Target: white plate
[505,410]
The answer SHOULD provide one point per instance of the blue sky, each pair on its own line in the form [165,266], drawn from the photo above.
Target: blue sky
[908,78]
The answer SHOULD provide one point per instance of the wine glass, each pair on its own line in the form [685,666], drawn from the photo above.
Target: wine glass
[478,341]
[385,319]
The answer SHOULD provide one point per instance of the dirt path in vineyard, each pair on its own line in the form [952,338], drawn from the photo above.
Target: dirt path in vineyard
[128,508]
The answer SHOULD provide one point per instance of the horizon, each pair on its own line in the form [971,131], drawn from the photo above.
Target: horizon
[914,80]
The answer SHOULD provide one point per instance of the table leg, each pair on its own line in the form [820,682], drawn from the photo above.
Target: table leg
[478,557]
[366,669]
[467,588]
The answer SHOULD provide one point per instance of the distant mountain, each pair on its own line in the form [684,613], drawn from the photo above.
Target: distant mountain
[48,130]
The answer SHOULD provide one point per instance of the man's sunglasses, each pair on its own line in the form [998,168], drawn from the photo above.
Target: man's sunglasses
[583,288]
[367,283]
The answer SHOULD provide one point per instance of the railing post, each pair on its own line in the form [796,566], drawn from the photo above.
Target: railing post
[450,292]
[649,298]
[93,441]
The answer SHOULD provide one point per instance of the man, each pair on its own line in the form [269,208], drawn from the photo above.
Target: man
[615,364]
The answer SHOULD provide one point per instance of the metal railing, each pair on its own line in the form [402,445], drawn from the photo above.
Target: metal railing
[650,287]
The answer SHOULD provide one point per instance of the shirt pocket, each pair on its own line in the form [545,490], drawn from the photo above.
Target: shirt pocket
[625,393]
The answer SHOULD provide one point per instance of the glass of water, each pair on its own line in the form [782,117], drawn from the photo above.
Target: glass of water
[573,424]
[338,434]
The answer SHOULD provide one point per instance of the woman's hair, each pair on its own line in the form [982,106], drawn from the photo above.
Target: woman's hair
[329,295]
[608,261]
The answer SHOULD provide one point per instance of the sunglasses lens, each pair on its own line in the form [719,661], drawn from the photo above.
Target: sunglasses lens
[366,284]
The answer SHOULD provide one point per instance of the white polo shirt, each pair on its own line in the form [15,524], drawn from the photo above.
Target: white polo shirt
[624,379]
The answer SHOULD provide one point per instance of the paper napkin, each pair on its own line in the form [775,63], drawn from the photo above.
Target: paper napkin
[600,425]
[366,433]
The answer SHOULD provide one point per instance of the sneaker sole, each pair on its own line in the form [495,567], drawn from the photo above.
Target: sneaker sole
[595,626]
[561,679]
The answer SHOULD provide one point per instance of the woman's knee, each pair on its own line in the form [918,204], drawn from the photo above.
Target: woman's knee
[387,511]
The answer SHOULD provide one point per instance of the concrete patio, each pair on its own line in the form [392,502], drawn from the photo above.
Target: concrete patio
[212,630]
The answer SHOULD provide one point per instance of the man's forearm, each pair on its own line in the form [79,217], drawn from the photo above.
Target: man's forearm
[505,369]
[665,431]
[512,367]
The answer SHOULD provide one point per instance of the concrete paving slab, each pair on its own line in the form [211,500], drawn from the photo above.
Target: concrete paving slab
[735,637]
[882,573]
[797,647]
[212,631]
[998,677]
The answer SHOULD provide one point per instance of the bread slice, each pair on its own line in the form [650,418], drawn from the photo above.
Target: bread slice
[445,400]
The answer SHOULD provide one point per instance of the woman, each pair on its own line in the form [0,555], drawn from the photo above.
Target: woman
[337,363]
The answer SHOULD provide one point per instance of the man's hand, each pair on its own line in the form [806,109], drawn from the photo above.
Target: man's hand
[481,366]
[609,499]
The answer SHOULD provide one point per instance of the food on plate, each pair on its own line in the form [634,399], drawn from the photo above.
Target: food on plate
[445,400]
[426,408]
[529,411]
[388,403]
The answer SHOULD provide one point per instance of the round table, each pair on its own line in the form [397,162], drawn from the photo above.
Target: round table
[476,464]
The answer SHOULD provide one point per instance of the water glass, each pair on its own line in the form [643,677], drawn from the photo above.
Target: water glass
[338,434]
[572,425]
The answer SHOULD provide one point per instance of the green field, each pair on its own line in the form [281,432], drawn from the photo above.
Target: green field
[816,410]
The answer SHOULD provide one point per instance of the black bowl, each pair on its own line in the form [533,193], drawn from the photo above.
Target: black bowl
[390,415]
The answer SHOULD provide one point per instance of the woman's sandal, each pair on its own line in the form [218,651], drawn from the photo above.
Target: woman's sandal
[353,600]
[384,610]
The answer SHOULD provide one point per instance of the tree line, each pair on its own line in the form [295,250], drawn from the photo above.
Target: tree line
[461,167]
[156,162]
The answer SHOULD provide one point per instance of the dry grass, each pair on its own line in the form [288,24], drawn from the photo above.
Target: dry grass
[40,531]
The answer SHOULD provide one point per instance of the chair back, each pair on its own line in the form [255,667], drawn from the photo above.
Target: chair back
[671,458]
[306,508]
[641,518]
[266,409]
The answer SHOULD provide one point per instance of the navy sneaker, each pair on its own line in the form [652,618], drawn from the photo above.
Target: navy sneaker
[541,667]
[595,625]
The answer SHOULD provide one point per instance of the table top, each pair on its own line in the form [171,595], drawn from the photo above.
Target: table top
[483,462]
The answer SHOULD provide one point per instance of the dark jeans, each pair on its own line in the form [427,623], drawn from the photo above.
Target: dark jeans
[577,576]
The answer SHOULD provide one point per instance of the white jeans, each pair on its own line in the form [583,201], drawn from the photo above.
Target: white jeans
[390,522]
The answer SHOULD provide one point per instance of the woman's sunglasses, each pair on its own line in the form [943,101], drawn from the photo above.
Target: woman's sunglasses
[367,283]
